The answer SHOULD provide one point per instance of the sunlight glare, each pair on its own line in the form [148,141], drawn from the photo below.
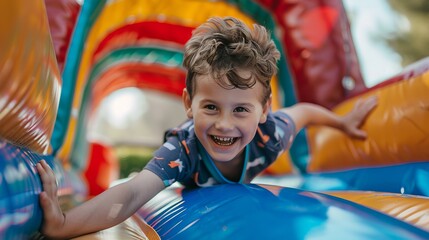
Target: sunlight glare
[125,106]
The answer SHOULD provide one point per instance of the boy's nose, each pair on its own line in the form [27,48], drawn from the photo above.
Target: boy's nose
[224,123]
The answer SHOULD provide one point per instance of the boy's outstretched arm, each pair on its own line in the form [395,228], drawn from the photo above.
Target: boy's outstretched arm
[103,211]
[306,114]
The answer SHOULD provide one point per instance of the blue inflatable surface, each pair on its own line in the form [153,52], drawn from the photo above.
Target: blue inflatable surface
[235,211]
[408,178]
[20,186]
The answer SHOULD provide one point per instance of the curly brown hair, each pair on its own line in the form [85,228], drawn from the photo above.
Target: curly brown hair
[223,46]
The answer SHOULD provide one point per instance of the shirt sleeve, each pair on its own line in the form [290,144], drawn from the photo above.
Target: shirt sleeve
[285,129]
[277,133]
[170,162]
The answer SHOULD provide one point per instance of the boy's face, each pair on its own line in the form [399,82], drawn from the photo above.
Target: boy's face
[225,121]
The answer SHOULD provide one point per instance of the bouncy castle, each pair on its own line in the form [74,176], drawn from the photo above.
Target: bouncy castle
[60,58]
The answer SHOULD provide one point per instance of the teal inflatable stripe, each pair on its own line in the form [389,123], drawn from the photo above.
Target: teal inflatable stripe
[89,13]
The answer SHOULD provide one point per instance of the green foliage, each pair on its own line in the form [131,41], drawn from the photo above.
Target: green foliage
[132,163]
[132,158]
[412,45]
[411,6]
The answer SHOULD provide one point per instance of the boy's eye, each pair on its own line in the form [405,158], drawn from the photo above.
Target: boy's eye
[210,107]
[240,109]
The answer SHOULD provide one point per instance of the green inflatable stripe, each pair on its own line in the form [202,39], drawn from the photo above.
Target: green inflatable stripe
[168,57]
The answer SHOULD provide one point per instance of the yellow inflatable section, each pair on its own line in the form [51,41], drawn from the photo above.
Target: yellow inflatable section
[398,130]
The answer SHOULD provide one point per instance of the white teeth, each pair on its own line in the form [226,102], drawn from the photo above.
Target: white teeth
[224,141]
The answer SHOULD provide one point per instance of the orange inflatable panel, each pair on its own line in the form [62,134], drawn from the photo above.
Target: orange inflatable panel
[282,165]
[30,82]
[411,209]
[398,130]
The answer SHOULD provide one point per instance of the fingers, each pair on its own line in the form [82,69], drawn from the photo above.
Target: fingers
[363,108]
[48,179]
[53,216]
[368,104]
[357,117]
[45,202]
[360,134]
[371,103]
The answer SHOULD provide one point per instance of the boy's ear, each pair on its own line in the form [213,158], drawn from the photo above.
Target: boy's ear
[265,109]
[187,103]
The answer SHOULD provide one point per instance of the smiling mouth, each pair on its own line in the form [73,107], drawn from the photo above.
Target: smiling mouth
[223,141]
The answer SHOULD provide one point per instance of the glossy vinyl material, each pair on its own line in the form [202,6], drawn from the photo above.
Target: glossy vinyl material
[30,82]
[235,211]
[150,33]
[409,208]
[20,187]
[77,43]
[319,48]
[62,15]
[398,130]
[407,178]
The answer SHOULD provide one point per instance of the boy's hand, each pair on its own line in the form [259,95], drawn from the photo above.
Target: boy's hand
[53,219]
[357,116]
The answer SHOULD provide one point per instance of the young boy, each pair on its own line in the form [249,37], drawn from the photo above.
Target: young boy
[231,135]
